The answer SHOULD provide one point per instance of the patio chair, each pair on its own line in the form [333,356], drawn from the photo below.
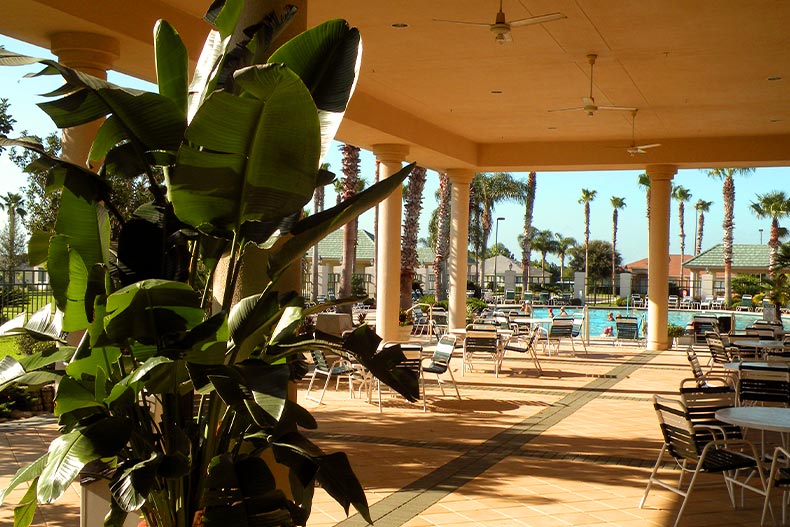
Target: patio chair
[778,477]
[636,300]
[526,344]
[672,301]
[718,303]
[440,364]
[412,363]
[700,376]
[706,302]
[339,368]
[719,456]
[719,353]
[702,402]
[746,303]
[510,296]
[627,330]
[686,302]
[561,328]
[577,331]
[482,342]
[761,384]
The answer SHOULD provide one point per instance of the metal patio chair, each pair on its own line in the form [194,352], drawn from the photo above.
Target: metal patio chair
[439,364]
[627,330]
[525,343]
[718,456]
[482,342]
[339,368]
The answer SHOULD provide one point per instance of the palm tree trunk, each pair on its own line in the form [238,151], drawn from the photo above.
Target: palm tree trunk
[681,219]
[614,248]
[526,246]
[442,225]
[350,184]
[773,244]
[411,224]
[728,194]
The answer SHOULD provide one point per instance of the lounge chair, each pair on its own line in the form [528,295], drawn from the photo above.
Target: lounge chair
[746,304]
[482,342]
[439,364]
[561,328]
[672,301]
[627,330]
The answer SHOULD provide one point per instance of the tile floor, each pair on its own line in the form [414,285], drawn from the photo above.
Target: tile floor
[572,447]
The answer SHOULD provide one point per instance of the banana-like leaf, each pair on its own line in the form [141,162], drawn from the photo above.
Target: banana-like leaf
[89,364]
[26,473]
[26,509]
[46,358]
[38,247]
[133,480]
[70,452]
[10,370]
[327,58]
[248,158]
[68,276]
[45,324]
[171,64]
[312,229]
[73,395]
[150,310]
[222,496]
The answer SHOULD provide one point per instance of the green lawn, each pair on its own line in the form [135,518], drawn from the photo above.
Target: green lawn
[8,347]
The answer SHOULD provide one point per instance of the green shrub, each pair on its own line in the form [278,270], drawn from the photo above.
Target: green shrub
[27,345]
[673,330]
[621,301]
[15,398]
[474,306]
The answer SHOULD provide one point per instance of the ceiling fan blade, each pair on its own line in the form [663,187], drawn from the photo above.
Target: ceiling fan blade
[642,147]
[618,108]
[537,19]
[479,24]
[568,109]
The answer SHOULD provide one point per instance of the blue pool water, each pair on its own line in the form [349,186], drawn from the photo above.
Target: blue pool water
[679,317]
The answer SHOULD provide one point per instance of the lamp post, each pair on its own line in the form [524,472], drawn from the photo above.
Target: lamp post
[761,236]
[496,242]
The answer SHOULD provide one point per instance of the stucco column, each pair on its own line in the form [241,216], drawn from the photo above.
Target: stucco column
[658,255]
[92,54]
[459,244]
[390,159]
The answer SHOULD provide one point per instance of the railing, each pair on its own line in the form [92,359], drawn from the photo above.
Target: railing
[23,291]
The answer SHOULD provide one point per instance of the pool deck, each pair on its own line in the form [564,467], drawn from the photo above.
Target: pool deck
[572,447]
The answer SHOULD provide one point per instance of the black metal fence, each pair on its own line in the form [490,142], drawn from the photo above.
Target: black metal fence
[23,291]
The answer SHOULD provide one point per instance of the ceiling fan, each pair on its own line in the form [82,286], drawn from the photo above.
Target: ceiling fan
[501,28]
[635,149]
[589,102]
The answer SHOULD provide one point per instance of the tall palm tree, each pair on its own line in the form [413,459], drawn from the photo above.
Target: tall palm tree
[412,207]
[683,195]
[530,188]
[543,242]
[586,198]
[442,235]
[644,182]
[350,168]
[318,206]
[701,207]
[564,244]
[774,205]
[13,204]
[491,189]
[728,223]
[618,204]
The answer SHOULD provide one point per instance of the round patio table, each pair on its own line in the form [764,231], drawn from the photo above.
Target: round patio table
[770,418]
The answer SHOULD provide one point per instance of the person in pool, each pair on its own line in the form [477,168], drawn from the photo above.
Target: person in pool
[608,331]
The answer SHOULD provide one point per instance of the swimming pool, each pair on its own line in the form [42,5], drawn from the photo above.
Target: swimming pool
[598,317]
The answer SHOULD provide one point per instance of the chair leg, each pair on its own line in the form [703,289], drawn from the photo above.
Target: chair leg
[452,378]
[652,475]
[310,386]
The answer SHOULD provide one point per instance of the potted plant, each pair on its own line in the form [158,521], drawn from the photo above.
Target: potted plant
[240,150]
[677,335]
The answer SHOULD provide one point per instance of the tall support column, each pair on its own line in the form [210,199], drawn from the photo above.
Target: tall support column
[92,54]
[390,159]
[459,244]
[658,255]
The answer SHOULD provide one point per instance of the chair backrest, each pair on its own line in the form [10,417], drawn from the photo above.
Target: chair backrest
[673,300]
[444,351]
[481,339]
[701,403]
[561,327]
[763,383]
[696,367]
[578,325]
[627,328]
[510,295]
[319,359]
[718,351]
[676,428]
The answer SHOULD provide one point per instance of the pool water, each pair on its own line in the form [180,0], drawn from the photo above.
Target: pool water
[598,316]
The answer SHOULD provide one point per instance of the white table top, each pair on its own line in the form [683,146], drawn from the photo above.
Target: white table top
[737,365]
[771,418]
[756,343]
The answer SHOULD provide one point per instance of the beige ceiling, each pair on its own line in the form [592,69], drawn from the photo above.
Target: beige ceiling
[700,73]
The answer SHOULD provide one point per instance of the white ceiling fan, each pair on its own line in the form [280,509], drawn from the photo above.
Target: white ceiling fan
[501,28]
[589,102]
[635,149]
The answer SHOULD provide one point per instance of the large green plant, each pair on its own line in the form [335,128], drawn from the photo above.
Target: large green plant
[240,150]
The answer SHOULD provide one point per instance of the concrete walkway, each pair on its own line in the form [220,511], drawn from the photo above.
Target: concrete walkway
[572,447]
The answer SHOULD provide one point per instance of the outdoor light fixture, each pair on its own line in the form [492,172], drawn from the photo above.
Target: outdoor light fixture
[496,242]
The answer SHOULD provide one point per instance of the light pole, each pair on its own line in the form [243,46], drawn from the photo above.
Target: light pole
[761,236]
[496,242]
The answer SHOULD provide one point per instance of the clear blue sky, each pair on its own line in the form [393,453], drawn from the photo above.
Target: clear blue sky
[556,205]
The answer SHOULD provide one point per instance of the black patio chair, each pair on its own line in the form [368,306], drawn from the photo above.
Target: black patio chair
[482,342]
[761,384]
[526,344]
[719,353]
[719,456]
